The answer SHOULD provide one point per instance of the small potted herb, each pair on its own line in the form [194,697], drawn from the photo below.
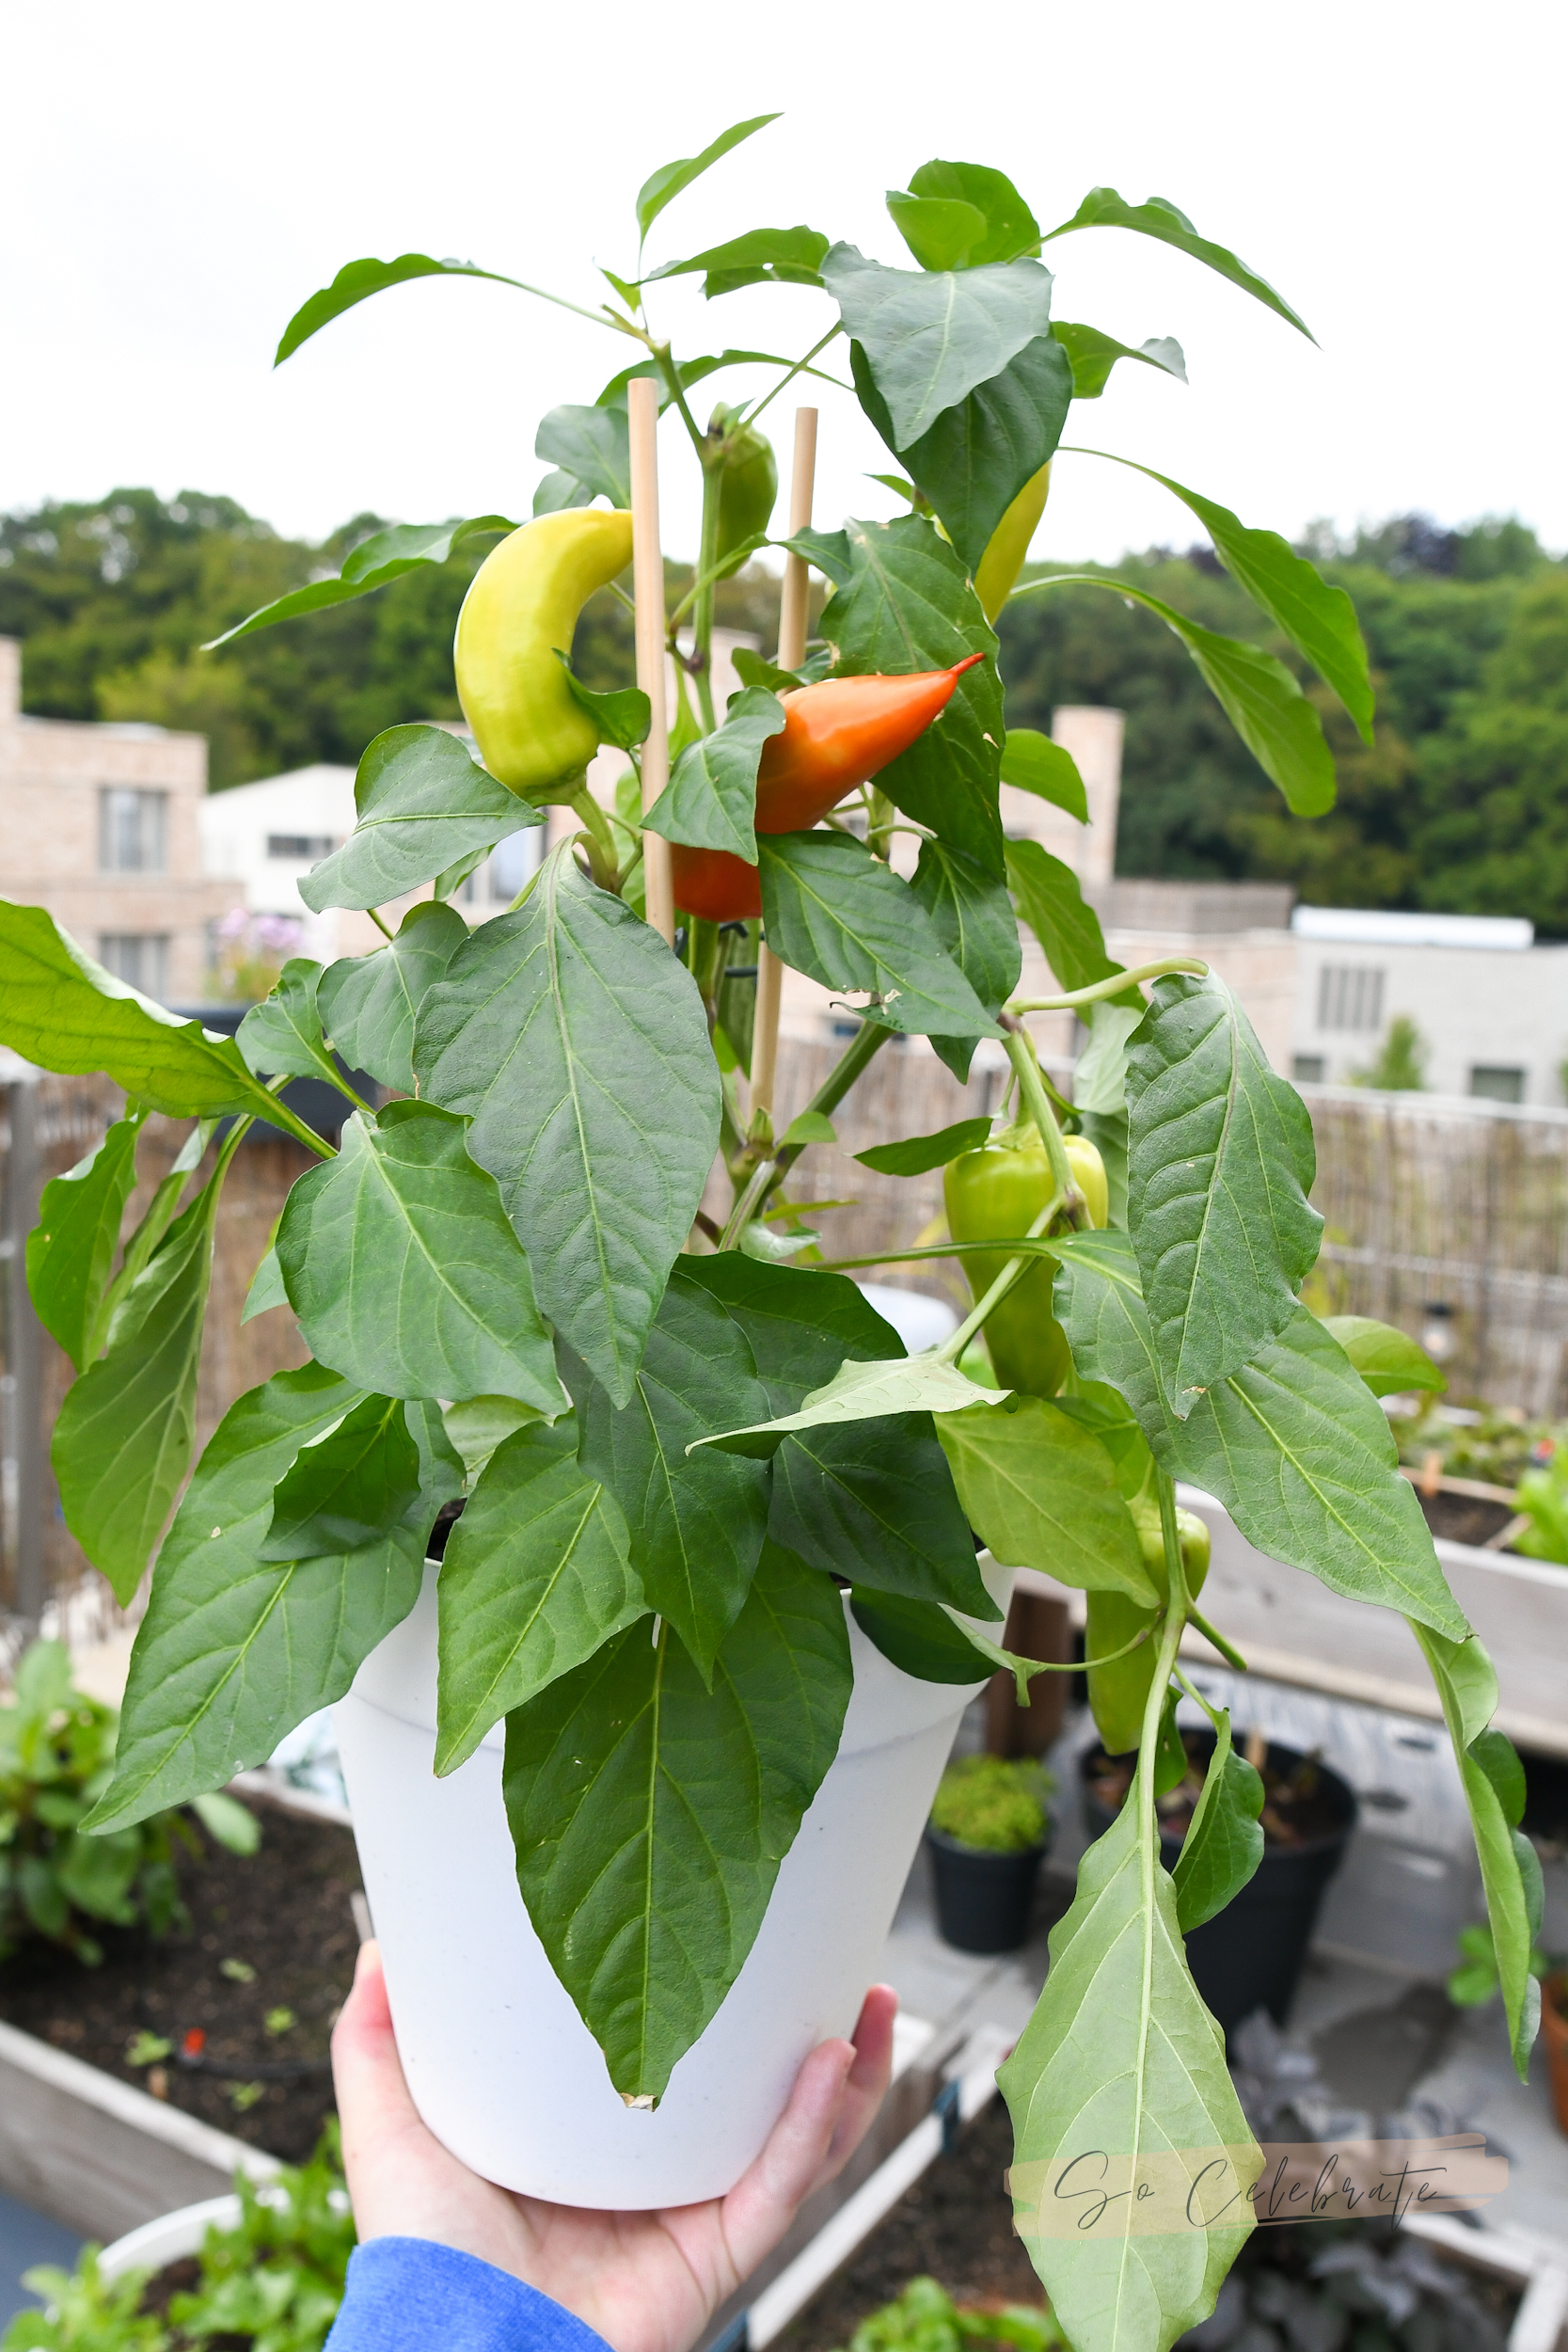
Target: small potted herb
[987,1835]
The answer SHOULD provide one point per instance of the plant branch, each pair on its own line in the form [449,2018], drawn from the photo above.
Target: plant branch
[1021,1052]
[836,328]
[1111,987]
[379,923]
[951,1349]
[1200,1624]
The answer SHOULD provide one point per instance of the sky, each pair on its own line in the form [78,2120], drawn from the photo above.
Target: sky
[176,179]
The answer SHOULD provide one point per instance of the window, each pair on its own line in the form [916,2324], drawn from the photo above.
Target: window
[1307,1069]
[1350,996]
[133,831]
[140,958]
[1496,1083]
[300,849]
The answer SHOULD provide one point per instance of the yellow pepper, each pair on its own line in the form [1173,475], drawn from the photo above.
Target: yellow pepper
[520,610]
[1003,559]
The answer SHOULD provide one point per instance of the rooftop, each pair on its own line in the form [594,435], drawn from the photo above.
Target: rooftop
[1377,926]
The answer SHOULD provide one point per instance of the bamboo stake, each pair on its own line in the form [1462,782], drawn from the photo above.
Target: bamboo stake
[648,588]
[792,652]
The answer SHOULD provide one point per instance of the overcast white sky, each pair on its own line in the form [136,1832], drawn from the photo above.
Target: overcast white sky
[175,179]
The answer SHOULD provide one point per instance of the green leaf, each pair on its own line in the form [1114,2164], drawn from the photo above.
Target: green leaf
[828,551]
[1094,355]
[1103,208]
[282,1036]
[622,718]
[836,913]
[370,1004]
[1100,1074]
[917,1155]
[1121,2059]
[1040,1492]
[266,1288]
[234,1651]
[1320,621]
[376,562]
[403,1269]
[1053,905]
[1033,763]
[346,1488]
[1293,1444]
[71,1247]
[556,491]
[1010,228]
[973,459]
[234,1826]
[423,803]
[696,1517]
[940,230]
[973,918]
[536,1578]
[870,1500]
[752,668]
[809,1127]
[710,799]
[579,1048]
[122,1440]
[147,1233]
[935,1643]
[1107,1132]
[1220,1157]
[692,372]
[1390,1363]
[650,1814]
[864,1391]
[478,1425]
[357,281]
[782,257]
[65,1013]
[930,337]
[663,186]
[1224,1844]
[593,446]
[907,603]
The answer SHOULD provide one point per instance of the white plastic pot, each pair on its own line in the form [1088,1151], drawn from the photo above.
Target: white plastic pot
[501,2065]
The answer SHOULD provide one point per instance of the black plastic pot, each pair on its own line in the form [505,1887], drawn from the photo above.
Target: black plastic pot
[984,1900]
[1251,1954]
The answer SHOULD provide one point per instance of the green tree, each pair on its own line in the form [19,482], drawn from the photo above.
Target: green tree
[1399,1065]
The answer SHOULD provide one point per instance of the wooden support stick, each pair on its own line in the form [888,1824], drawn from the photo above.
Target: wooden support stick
[648,587]
[792,652]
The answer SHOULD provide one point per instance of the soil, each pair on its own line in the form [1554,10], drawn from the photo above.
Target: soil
[1464,1518]
[1296,1807]
[270,1932]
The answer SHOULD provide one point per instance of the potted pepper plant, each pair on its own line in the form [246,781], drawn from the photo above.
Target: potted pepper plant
[636,1693]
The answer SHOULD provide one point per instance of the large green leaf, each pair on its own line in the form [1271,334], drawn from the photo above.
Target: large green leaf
[1224,1843]
[71,1247]
[837,914]
[122,1440]
[346,1488]
[535,1578]
[1010,227]
[65,1013]
[282,1036]
[1103,208]
[940,230]
[650,1814]
[782,257]
[373,563]
[592,445]
[1053,905]
[972,917]
[907,603]
[1220,1158]
[1293,1444]
[710,799]
[864,1391]
[579,1048]
[1117,2088]
[369,1003]
[1094,355]
[1390,1362]
[235,1651]
[662,186]
[1033,763]
[358,280]
[932,336]
[1040,1492]
[424,804]
[696,1518]
[973,459]
[1319,620]
[406,1273]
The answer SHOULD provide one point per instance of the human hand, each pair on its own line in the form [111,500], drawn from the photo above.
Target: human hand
[647,2282]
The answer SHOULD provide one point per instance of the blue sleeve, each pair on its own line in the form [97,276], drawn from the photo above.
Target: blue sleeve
[409,2295]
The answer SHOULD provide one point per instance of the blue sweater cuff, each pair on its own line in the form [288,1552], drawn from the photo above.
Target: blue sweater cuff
[409,2295]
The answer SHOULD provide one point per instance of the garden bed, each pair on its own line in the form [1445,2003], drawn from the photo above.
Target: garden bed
[270,1933]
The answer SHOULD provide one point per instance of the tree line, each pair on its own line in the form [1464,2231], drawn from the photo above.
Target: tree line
[1460,805]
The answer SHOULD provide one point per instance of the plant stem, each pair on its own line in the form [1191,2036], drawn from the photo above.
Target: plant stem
[837,329]
[1170,1642]
[867,1042]
[741,1215]
[702,607]
[1200,1624]
[377,921]
[1021,1052]
[601,841]
[1115,986]
[951,1349]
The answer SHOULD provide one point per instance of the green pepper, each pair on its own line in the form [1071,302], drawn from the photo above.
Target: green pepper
[1120,1692]
[1001,1189]
[1003,559]
[747,489]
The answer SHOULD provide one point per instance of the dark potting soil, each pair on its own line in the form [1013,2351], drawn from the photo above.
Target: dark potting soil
[1296,1807]
[1464,1518]
[269,1932]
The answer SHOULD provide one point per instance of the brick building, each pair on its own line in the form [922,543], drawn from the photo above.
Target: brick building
[99,823]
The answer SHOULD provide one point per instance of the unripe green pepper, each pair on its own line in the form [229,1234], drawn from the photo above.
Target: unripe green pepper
[1001,1189]
[521,608]
[747,490]
[1119,1692]
[1003,559]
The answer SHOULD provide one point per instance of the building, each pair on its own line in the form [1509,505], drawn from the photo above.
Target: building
[101,825]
